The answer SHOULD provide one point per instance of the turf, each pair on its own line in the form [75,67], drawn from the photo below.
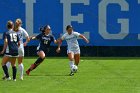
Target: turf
[95,75]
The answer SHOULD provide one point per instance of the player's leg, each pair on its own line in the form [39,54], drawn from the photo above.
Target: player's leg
[8,64]
[21,66]
[13,63]
[71,60]
[5,69]
[77,59]
[41,58]
[20,61]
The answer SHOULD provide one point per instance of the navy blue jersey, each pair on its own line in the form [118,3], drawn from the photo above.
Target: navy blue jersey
[13,39]
[45,41]
[4,34]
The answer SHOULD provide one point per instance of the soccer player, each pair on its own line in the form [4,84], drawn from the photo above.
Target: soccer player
[11,44]
[73,49]
[21,32]
[45,39]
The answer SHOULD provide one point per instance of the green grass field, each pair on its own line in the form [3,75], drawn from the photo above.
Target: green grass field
[95,75]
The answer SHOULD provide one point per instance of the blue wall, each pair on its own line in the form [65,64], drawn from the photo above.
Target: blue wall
[103,22]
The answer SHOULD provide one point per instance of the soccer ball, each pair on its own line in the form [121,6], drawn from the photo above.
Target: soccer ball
[74,68]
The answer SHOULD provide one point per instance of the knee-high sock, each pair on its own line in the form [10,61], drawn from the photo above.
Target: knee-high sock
[37,63]
[71,63]
[21,69]
[8,64]
[14,72]
[5,71]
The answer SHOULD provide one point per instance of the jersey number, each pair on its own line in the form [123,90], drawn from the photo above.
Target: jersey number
[45,41]
[13,37]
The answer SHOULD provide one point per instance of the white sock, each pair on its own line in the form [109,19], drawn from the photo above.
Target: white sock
[71,63]
[21,68]
[8,64]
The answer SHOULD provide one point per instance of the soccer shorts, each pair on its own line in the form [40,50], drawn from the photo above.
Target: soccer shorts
[74,51]
[10,55]
[21,51]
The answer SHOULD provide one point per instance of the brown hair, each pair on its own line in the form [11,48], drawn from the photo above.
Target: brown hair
[68,26]
[10,24]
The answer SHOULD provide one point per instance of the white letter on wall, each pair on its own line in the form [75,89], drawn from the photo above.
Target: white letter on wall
[103,19]
[29,15]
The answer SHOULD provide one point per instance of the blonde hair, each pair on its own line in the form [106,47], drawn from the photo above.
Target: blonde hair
[20,22]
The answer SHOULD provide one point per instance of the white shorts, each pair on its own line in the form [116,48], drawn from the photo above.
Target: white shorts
[21,51]
[74,51]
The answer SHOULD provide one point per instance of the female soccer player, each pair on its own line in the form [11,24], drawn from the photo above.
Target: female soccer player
[21,32]
[73,49]
[45,39]
[11,44]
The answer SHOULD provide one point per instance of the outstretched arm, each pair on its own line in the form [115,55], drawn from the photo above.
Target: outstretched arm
[32,37]
[27,40]
[59,45]
[83,37]
[59,42]
[27,37]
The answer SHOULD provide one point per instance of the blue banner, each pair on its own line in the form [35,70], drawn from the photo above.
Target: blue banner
[103,22]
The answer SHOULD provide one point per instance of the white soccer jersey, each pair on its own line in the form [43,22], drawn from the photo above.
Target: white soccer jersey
[22,32]
[72,42]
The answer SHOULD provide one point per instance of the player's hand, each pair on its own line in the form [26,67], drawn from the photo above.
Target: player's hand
[25,43]
[58,50]
[32,37]
[87,41]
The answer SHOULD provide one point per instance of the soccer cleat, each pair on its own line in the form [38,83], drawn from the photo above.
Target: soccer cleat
[21,78]
[14,80]
[8,79]
[28,72]
[71,74]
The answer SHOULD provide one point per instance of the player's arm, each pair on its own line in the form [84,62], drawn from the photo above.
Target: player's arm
[18,43]
[56,42]
[59,41]
[18,40]
[58,48]
[27,37]
[32,37]
[84,38]
[35,37]
[27,40]
[5,45]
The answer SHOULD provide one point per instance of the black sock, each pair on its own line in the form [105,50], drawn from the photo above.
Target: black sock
[38,61]
[5,69]
[14,72]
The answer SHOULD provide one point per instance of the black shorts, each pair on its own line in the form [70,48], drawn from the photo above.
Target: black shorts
[11,54]
[46,51]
